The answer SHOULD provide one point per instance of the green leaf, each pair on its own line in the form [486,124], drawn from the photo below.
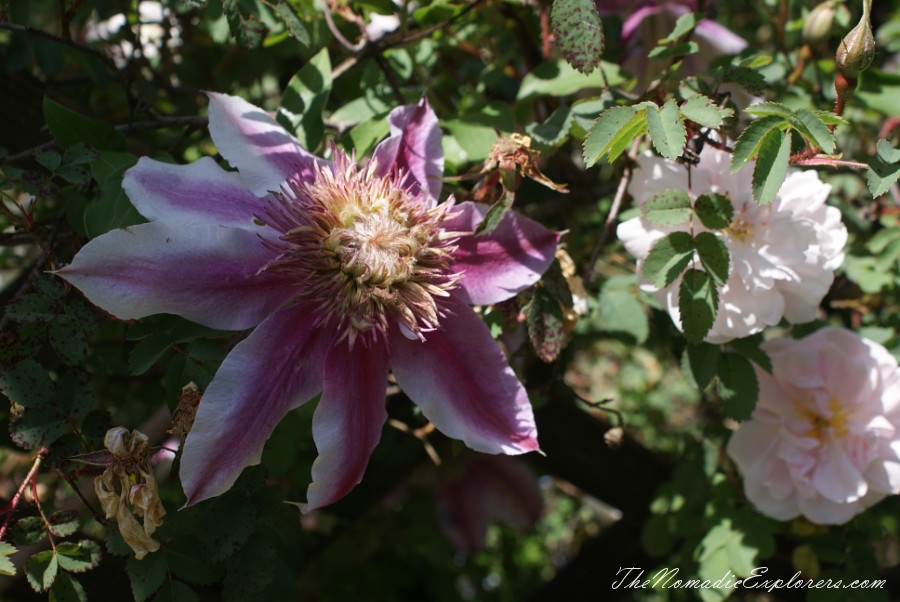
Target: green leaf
[146,575]
[248,32]
[884,169]
[304,101]
[886,152]
[41,570]
[668,258]
[714,210]
[49,159]
[698,302]
[176,591]
[148,351]
[27,384]
[621,312]
[225,527]
[185,563]
[68,339]
[738,387]
[748,143]
[771,166]
[613,132]
[666,129]
[63,523]
[749,348]
[669,208]
[769,108]
[475,139]
[814,129]
[292,22]
[66,588]
[68,128]
[701,361]
[555,129]
[744,76]
[558,78]
[578,32]
[6,565]
[714,256]
[27,531]
[250,570]
[703,111]
[544,321]
[111,208]
[684,25]
[37,428]
[39,305]
[367,133]
[78,557]
[495,214]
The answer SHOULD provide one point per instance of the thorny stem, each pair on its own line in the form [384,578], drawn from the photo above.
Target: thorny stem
[37,503]
[613,210]
[10,508]
[827,161]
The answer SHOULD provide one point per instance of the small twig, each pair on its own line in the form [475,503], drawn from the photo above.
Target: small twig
[14,502]
[830,162]
[421,434]
[329,19]
[613,210]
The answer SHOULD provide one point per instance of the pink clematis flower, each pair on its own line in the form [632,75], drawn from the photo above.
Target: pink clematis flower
[824,439]
[345,272]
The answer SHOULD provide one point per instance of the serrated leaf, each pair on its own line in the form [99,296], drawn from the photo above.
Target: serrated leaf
[27,531]
[668,258]
[176,591]
[80,154]
[771,166]
[683,25]
[76,174]
[78,557]
[769,108]
[669,208]
[41,570]
[749,348]
[39,305]
[703,111]
[702,360]
[292,22]
[303,103]
[146,575]
[738,387]
[578,32]
[714,210]
[248,32]
[544,322]
[667,132]
[884,169]
[613,132]
[887,152]
[714,256]
[111,208]
[698,303]
[495,213]
[811,127]
[49,159]
[148,351]
[554,129]
[27,384]
[68,339]
[621,312]
[744,76]
[66,588]
[6,565]
[37,428]
[250,570]
[185,563]
[225,527]
[747,145]
[63,523]
[68,128]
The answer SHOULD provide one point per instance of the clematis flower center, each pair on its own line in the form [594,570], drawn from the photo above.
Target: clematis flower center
[364,250]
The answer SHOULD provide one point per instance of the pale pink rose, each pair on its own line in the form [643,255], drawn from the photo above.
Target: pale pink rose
[782,255]
[823,441]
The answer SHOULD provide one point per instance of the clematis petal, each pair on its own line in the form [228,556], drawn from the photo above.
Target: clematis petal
[274,370]
[347,422]
[414,146]
[263,151]
[461,381]
[504,261]
[207,274]
[187,195]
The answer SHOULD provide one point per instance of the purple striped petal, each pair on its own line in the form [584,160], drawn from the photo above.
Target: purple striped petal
[187,195]
[264,153]
[207,274]
[504,261]
[276,369]
[414,146]
[348,420]
[461,381]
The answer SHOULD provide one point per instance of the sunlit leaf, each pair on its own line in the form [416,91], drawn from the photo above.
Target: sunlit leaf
[613,132]
[669,208]
[668,258]
[714,256]
[300,111]
[714,210]
[667,132]
[698,302]
[578,32]
[771,166]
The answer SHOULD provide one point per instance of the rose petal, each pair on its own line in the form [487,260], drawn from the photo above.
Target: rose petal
[207,274]
[414,146]
[271,372]
[348,420]
[188,195]
[263,151]
[460,379]
[504,261]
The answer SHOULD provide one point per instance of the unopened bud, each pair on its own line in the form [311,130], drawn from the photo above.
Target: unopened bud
[857,49]
[817,27]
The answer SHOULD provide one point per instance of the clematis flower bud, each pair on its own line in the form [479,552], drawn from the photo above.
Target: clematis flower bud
[817,27]
[857,49]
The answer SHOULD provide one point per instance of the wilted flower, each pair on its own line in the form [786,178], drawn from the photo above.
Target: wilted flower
[824,439]
[127,488]
[782,255]
[344,271]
